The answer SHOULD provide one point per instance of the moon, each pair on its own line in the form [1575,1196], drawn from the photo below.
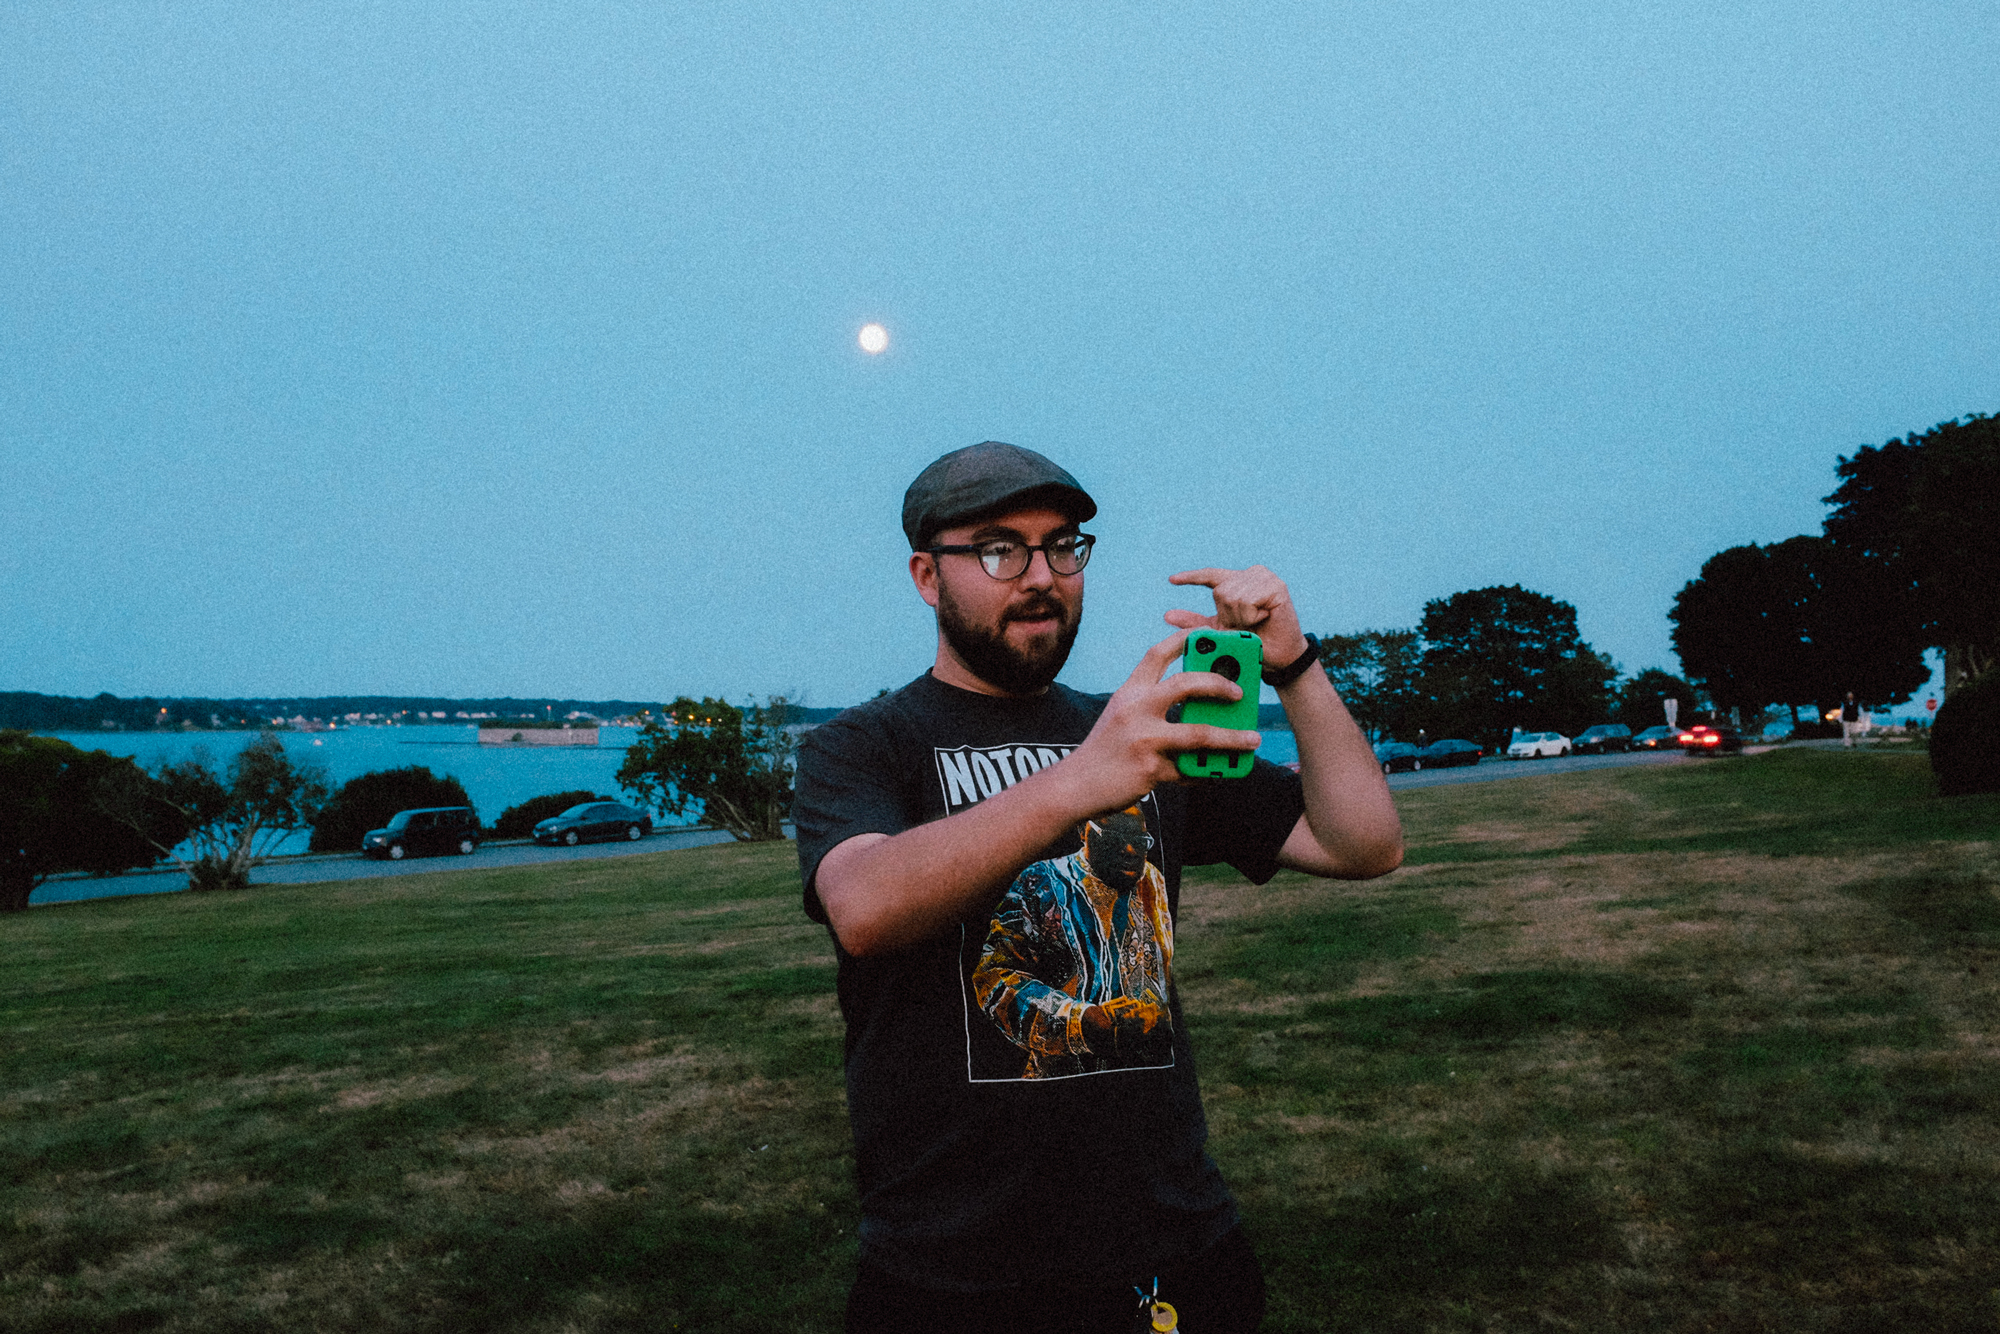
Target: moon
[874,339]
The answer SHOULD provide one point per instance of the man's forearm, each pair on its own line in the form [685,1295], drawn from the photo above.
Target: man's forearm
[1350,829]
[884,892]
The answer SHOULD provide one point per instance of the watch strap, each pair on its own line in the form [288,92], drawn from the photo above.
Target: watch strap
[1292,671]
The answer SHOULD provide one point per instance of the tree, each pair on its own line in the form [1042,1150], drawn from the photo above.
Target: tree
[1799,621]
[1638,702]
[735,765]
[1922,511]
[367,802]
[1965,739]
[1376,673]
[232,822]
[1504,657]
[52,819]
[520,821]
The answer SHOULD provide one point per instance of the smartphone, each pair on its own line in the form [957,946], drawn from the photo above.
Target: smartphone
[1236,655]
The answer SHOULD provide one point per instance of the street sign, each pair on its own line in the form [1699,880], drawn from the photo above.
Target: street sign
[1931,704]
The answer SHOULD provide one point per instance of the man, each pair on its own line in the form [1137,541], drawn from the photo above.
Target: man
[998,859]
[1851,724]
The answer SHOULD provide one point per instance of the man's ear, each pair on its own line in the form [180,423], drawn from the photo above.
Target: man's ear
[923,573]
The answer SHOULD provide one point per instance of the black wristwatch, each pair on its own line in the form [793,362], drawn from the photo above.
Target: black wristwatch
[1284,676]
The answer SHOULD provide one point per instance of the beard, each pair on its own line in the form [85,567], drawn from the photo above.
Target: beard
[1017,671]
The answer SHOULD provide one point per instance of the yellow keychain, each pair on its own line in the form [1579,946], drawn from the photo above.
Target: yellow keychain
[1155,1315]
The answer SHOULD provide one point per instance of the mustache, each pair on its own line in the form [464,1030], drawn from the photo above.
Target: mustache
[1038,607]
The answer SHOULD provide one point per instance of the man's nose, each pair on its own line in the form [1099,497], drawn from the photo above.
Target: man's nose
[1038,574]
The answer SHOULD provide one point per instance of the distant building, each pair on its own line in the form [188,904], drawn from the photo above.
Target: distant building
[534,734]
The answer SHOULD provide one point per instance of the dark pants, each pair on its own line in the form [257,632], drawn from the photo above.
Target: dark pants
[1219,1291]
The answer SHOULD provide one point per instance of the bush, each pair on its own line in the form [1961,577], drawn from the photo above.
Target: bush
[1965,739]
[367,802]
[520,821]
[60,811]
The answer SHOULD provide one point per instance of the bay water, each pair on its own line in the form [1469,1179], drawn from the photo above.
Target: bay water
[494,777]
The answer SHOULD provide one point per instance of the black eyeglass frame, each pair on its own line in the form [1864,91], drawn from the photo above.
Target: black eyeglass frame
[1084,542]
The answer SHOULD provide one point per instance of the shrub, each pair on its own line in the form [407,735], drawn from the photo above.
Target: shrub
[1965,739]
[520,821]
[60,811]
[367,802]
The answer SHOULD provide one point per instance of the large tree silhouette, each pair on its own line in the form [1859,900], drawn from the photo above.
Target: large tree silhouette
[1922,510]
[1799,621]
[1377,675]
[1505,657]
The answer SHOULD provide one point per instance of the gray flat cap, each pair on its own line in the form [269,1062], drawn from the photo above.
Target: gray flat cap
[986,479]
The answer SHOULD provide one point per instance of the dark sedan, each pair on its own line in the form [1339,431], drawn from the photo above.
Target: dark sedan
[1657,738]
[590,821]
[1448,754]
[1711,739]
[1603,739]
[1395,756]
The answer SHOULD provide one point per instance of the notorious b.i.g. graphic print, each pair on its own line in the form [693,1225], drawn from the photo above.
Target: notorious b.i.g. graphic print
[1074,967]
[1072,973]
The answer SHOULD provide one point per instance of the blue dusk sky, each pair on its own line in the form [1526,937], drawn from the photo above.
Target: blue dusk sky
[476,349]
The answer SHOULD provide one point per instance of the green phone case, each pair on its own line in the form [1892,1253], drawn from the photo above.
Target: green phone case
[1238,655]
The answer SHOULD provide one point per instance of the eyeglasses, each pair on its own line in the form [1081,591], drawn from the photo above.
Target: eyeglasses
[1005,559]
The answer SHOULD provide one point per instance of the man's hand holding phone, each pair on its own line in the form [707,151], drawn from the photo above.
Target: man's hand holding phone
[1133,748]
[1236,656]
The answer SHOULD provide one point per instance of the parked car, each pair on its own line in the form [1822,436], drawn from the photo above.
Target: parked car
[423,832]
[1657,738]
[1603,739]
[1448,754]
[590,820]
[1397,755]
[1537,746]
[1711,739]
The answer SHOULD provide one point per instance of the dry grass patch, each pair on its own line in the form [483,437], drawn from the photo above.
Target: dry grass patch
[1666,1089]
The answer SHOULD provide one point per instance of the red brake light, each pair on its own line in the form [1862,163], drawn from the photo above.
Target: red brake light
[1711,740]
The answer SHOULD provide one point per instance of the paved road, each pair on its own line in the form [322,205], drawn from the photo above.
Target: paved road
[353,866]
[1491,768]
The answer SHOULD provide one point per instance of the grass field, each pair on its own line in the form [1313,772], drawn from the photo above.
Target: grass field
[1704,1047]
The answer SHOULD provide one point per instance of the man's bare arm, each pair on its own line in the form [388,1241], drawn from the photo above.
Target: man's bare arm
[1350,828]
[884,892]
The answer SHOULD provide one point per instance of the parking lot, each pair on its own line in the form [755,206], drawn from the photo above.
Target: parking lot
[1493,767]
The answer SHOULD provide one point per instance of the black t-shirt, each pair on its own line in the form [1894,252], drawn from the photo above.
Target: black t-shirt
[1021,1088]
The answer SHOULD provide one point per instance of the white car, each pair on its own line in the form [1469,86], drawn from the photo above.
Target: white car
[1537,745]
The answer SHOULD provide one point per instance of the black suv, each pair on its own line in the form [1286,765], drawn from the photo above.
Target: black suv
[432,829]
